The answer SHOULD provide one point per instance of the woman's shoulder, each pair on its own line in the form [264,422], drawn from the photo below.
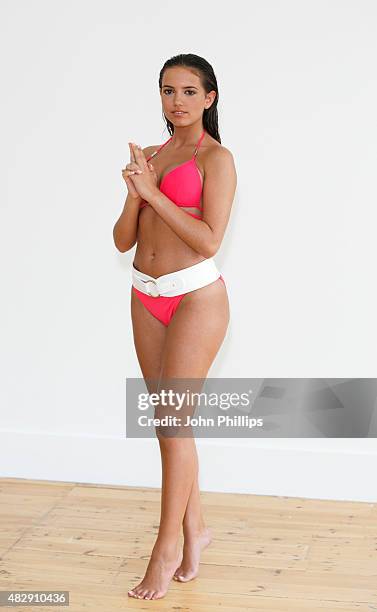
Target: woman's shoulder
[216,157]
[214,150]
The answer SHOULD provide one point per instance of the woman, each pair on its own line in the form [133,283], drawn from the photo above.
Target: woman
[177,210]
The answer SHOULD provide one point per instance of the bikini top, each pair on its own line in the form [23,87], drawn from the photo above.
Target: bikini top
[182,184]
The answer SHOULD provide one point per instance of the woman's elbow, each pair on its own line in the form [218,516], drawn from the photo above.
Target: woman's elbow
[210,249]
[125,248]
[122,246]
[121,249]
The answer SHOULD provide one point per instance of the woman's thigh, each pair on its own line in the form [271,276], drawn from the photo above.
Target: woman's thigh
[149,338]
[196,332]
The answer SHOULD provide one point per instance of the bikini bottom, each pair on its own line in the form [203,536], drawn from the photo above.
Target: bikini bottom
[161,307]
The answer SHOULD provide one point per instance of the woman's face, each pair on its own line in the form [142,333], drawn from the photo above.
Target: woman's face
[182,91]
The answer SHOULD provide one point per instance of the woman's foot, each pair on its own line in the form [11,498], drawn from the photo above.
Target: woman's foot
[159,572]
[193,546]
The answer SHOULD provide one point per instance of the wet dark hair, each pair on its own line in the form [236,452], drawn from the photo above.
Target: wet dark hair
[208,80]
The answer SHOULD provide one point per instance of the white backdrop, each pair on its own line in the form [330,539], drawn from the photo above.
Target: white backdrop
[297,104]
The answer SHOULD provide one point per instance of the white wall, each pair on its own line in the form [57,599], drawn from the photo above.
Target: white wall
[298,94]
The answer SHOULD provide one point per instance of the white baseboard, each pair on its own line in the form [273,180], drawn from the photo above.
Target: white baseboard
[260,467]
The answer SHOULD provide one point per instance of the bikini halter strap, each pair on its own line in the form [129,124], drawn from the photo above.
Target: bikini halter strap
[159,148]
[199,143]
[165,143]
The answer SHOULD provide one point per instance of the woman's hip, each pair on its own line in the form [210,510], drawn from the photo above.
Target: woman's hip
[178,282]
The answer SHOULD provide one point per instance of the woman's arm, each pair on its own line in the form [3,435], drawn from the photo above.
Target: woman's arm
[125,229]
[204,235]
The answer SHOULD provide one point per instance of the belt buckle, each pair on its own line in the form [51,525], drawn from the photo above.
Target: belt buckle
[155,293]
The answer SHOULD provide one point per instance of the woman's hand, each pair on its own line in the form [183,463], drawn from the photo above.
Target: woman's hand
[130,169]
[141,174]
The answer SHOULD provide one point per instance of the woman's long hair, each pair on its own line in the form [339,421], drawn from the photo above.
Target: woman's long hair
[207,76]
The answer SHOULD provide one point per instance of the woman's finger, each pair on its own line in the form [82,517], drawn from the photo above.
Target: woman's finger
[140,157]
[131,188]
[132,156]
[130,172]
[132,166]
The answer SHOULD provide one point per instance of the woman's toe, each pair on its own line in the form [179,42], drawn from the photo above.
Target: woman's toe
[186,577]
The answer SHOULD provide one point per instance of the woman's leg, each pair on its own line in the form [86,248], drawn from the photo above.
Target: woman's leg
[149,339]
[193,521]
[196,536]
[193,339]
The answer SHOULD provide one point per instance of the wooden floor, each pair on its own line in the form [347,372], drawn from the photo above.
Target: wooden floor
[269,554]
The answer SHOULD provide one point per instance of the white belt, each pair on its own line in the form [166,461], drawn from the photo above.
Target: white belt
[175,283]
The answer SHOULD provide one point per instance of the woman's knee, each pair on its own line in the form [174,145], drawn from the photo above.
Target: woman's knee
[174,438]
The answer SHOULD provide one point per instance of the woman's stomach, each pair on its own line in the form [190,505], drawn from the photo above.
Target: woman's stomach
[159,250]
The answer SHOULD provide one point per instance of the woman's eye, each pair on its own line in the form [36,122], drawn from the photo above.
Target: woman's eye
[166,91]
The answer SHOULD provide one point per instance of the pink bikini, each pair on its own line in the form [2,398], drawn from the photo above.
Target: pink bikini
[183,185]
